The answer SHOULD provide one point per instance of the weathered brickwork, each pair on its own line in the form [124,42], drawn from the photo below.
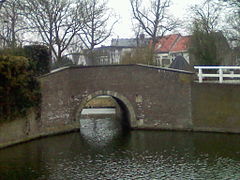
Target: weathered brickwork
[149,97]
[216,107]
[156,98]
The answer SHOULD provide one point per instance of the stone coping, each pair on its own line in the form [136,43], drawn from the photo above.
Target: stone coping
[117,65]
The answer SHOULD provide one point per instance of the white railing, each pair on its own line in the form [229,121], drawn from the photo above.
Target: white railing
[221,72]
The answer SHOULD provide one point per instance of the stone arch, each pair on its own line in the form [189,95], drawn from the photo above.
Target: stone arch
[121,100]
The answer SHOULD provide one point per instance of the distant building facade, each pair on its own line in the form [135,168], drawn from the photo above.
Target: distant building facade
[100,56]
[131,42]
[166,50]
[109,54]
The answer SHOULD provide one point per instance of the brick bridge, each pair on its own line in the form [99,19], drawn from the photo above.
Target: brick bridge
[148,98]
[151,97]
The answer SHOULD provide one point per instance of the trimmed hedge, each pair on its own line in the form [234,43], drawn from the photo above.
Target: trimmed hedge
[19,89]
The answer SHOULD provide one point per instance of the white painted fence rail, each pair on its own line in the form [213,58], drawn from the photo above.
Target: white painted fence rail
[222,72]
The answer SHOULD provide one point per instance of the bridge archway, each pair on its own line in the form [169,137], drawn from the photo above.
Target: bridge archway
[126,108]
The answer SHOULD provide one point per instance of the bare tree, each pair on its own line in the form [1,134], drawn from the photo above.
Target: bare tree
[55,21]
[11,24]
[208,45]
[95,30]
[235,3]
[154,19]
[232,29]
[1,2]
[98,26]
[207,15]
[138,33]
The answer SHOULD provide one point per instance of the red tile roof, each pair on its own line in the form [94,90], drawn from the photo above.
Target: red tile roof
[172,43]
[181,44]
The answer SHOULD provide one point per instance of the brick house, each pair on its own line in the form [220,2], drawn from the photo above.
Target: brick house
[170,46]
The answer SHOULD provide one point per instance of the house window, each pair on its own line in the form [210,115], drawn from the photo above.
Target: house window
[166,62]
[165,57]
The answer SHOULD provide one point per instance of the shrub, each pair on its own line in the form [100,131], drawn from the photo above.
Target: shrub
[18,51]
[19,90]
[41,57]
[138,56]
[64,61]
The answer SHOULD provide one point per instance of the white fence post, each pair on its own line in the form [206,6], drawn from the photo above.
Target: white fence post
[220,75]
[200,78]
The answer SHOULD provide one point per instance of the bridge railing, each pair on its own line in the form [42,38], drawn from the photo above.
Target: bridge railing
[221,72]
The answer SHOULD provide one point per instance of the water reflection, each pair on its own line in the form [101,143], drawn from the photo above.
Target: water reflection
[99,154]
[99,128]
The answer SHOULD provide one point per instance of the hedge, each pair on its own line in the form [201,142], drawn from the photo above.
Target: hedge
[39,55]
[19,89]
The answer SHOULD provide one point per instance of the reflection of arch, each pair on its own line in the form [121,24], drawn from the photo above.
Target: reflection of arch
[121,100]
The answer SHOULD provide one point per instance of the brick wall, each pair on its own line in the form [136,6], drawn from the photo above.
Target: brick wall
[216,107]
[151,98]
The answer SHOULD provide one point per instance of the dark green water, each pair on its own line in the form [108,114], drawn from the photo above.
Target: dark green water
[102,151]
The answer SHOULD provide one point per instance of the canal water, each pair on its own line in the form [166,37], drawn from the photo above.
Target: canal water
[102,150]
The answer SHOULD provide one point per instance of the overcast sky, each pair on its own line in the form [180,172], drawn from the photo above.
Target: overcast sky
[122,7]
